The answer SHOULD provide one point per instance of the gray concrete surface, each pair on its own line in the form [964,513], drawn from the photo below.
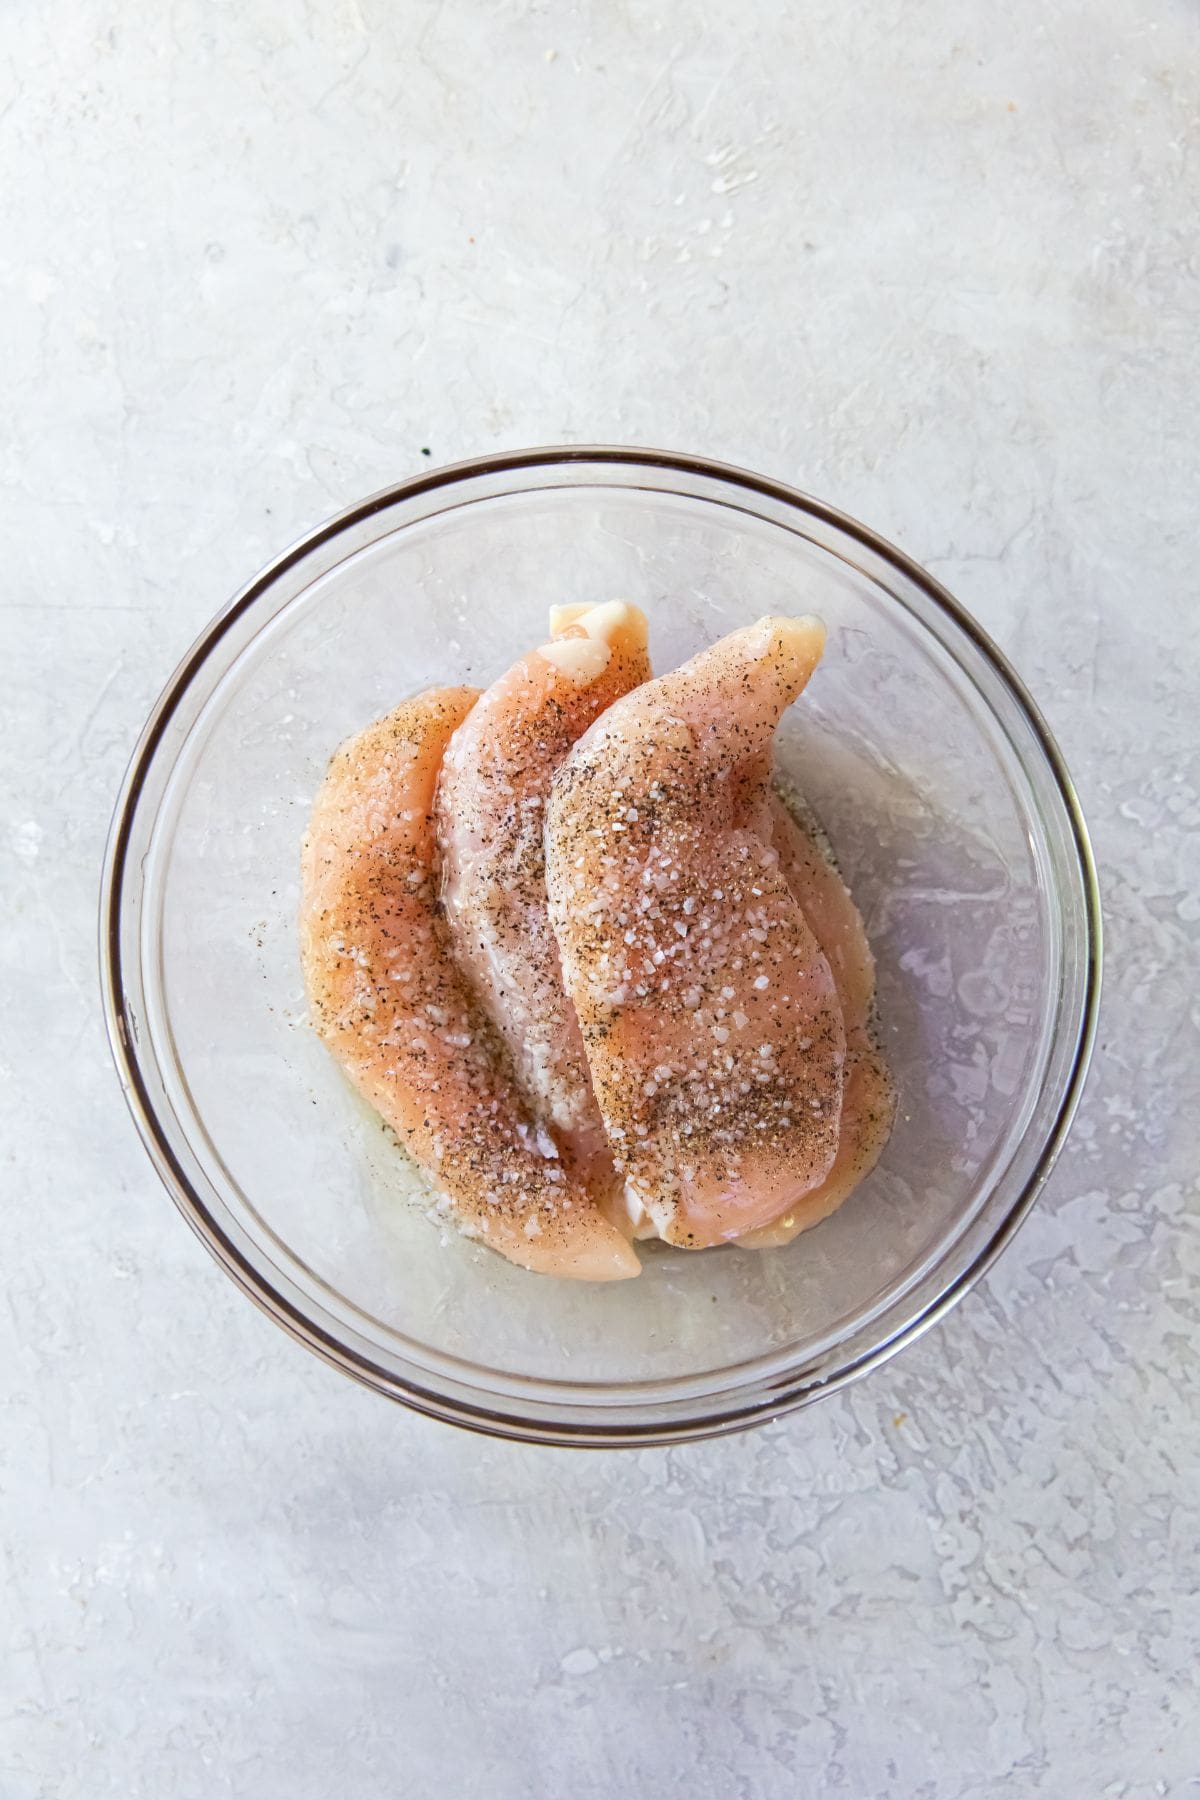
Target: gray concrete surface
[936,263]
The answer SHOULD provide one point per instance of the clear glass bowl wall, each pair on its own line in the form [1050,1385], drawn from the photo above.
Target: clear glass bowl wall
[948,808]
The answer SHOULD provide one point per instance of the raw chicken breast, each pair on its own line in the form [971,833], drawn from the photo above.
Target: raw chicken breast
[490,820]
[388,998]
[869,1094]
[710,1016]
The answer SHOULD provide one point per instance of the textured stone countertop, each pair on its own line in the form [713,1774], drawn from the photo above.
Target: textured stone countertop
[935,263]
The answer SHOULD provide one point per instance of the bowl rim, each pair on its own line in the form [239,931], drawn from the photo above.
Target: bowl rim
[757,1407]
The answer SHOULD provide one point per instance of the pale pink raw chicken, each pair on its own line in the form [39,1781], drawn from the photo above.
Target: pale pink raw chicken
[491,803]
[869,1094]
[396,1011]
[711,1019]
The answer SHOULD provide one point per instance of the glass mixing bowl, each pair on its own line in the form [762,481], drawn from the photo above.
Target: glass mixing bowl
[950,811]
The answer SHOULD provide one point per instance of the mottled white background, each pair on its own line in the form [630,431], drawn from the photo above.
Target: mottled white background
[935,260]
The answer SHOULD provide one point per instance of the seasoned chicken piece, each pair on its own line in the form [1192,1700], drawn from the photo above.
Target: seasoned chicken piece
[869,1094]
[490,820]
[391,1003]
[710,1016]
